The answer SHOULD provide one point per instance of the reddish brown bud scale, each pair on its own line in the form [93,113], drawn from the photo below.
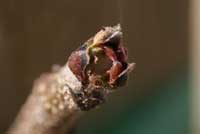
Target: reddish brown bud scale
[114,72]
[110,53]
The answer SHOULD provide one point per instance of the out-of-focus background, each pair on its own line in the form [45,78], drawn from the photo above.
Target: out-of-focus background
[35,34]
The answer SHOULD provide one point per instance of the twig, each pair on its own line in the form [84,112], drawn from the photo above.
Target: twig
[58,98]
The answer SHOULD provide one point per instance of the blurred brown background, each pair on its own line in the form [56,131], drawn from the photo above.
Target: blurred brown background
[35,34]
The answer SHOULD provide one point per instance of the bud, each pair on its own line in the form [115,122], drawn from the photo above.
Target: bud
[101,63]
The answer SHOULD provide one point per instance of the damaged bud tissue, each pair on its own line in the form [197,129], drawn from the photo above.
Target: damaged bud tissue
[101,65]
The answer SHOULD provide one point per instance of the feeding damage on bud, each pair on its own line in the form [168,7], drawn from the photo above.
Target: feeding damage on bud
[101,65]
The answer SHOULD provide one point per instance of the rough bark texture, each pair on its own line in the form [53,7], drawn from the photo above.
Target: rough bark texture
[50,108]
